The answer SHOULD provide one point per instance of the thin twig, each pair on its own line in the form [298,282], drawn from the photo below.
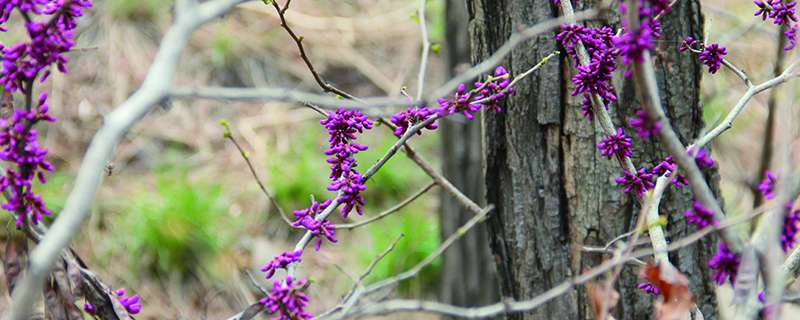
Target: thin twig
[389,211]
[298,40]
[426,47]
[263,188]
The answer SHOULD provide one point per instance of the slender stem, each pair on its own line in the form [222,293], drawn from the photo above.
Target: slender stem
[298,40]
[426,47]
[769,127]
[389,211]
[263,188]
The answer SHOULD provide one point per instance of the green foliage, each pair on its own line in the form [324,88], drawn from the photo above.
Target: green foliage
[421,238]
[139,10]
[223,47]
[54,192]
[178,227]
[302,171]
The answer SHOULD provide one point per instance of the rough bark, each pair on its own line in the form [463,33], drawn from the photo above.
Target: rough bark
[470,277]
[553,192]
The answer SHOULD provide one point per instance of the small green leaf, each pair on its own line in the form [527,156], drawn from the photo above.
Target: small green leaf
[436,48]
[225,123]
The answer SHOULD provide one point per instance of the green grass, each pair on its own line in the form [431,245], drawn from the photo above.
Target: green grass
[138,10]
[178,226]
[421,238]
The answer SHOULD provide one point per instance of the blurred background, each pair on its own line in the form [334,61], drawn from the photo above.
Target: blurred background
[180,218]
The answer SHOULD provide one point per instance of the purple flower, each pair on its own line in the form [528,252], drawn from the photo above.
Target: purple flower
[49,40]
[726,264]
[790,229]
[586,107]
[282,261]
[18,145]
[570,34]
[616,144]
[312,211]
[412,116]
[712,56]
[287,300]
[784,12]
[689,43]
[764,10]
[791,37]
[633,44]
[89,308]
[649,288]
[343,125]
[700,216]
[461,102]
[637,183]
[644,127]
[767,186]
[319,229]
[702,158]
[131,303]
[492,93]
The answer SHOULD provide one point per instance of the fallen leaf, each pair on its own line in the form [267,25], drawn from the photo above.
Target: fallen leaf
[676,301]
[13,260]
[601,296]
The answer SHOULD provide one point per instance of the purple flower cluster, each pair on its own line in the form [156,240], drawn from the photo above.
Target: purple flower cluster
[791,226]
[725,263]
[594,77]
[668,166]
[638,182]
[767,186]
[634,42]
[649,288]
[782,12]
[287,300]
[131,303]
[710,55]
[282,261]
[643,126]
[700,216]
[487,94]
[306,218]
[492,93]
[616,144]
[18,145]
[412,116]
[343,125]
[462,101]
[50,39]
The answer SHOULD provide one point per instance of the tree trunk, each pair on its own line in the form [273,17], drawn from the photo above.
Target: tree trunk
[470,277]
[552,190]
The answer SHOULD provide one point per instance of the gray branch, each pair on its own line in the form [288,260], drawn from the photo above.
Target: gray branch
[154,89]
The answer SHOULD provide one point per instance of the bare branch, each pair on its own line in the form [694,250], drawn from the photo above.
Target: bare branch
[426,47]
[78,205]
[752,91]
[389,211]
[229,135]
[327,87]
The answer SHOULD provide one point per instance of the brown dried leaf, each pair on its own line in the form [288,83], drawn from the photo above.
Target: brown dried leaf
[13,260]
[676,301]
[601,296]
[101,297]
[58,298]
